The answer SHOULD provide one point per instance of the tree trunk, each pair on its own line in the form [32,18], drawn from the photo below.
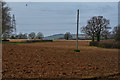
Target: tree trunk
[98,36]
[106,37]
[67,37]
[93,38]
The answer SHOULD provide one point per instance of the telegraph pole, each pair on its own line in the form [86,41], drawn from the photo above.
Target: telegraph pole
[77,28]
[77,50]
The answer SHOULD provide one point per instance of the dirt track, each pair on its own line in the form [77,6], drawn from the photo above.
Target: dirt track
[57,60]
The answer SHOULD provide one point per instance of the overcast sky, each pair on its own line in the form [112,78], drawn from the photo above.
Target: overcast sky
[56,17]
[62,0]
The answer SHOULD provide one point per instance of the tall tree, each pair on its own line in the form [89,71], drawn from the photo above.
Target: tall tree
[6,20]
[89,29]
[67,36]
[101,26]
[95,27]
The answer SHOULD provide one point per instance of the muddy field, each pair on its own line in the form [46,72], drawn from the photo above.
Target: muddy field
[57,60]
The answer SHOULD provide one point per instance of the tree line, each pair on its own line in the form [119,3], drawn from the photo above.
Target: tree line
[31,35]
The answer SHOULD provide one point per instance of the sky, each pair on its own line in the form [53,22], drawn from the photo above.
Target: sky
[59,17]
[62,0]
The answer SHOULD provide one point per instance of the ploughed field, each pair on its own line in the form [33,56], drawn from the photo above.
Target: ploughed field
[57,60]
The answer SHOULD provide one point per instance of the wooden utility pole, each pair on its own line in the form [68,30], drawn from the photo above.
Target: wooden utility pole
[77,28]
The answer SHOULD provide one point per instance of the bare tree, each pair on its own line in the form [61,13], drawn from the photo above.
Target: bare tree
[13,36]
[101,26]
[25,36]
[39,35]
[116,32]
[67,36]
[106,34]
[89,30]
[32,35]
[96,25]
[5,36]
[6,20]
[22,36]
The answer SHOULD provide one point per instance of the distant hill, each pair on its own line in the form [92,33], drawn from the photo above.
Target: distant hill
[54,37]
[61,36]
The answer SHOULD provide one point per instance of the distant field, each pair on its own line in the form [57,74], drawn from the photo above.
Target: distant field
[58,60]
[71,40]
[23,40]
[26,40]
[19,40]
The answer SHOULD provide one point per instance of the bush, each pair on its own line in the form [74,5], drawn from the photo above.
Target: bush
[95,43]
[29,41]
[106,44]
[4,41]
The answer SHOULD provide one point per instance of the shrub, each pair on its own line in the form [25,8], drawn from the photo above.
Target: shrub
[95,43]
[30,41]
[106,44]
[5,40]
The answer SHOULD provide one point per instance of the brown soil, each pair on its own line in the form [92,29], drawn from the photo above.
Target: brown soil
[57,60]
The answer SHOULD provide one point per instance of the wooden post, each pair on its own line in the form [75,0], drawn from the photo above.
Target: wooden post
[77,28]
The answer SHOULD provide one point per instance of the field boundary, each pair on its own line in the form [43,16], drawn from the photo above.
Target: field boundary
[26,41]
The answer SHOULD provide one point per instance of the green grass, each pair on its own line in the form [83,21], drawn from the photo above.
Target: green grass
[77,50]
